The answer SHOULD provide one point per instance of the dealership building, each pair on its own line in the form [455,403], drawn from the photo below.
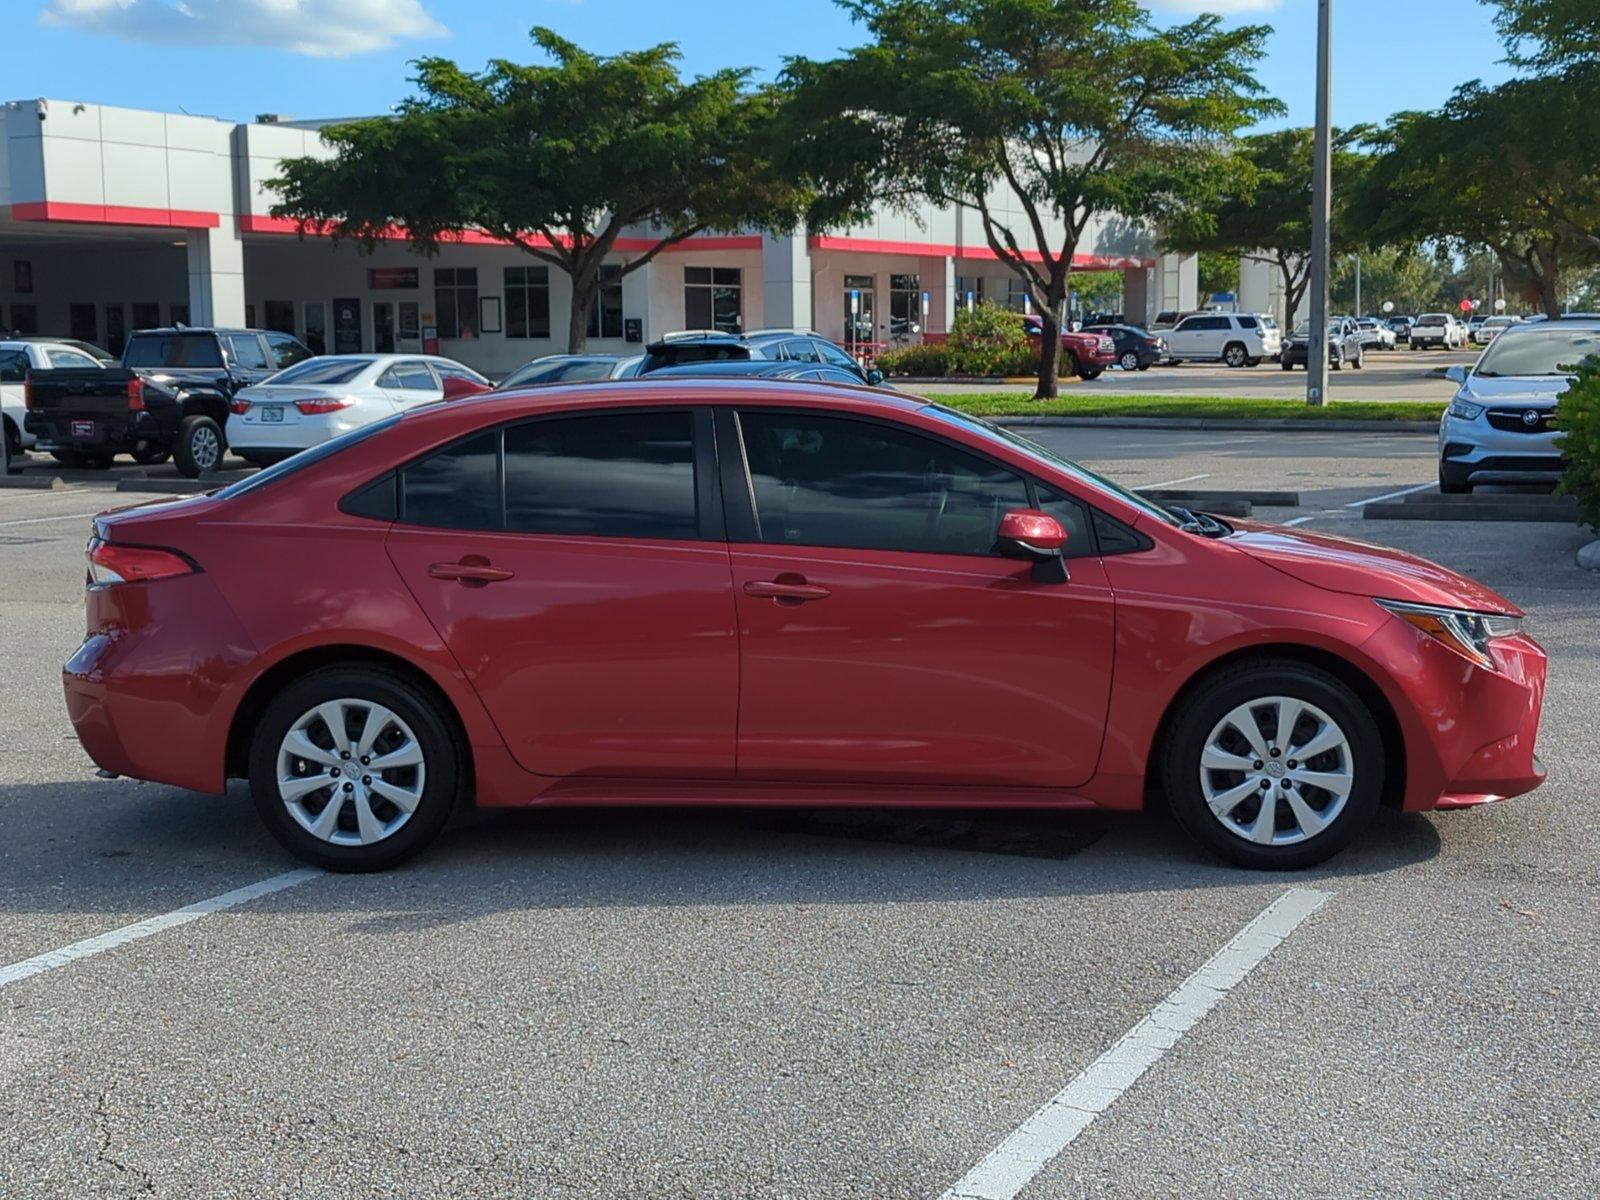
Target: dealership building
[114,219]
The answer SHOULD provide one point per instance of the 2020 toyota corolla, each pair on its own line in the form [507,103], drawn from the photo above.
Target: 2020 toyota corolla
[706,591]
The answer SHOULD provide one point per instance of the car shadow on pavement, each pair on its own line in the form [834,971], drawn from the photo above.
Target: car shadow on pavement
[120,847]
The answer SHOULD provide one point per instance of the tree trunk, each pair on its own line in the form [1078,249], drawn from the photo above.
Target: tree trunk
[1050,339]
[583,294]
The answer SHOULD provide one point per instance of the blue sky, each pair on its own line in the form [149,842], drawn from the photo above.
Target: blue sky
[319,58]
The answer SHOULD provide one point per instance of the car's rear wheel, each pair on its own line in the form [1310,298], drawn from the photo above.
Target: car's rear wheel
[200,446]
[1235,354]
[1287,365]
[354,768]
[13,439]
[1275,765]
[1130,361]
[1087,373]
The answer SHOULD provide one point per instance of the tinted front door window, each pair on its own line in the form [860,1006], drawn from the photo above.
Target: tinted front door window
[830,481]
[622,475]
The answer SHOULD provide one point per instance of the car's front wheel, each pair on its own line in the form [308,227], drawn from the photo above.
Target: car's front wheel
[354,768]
[1275,765]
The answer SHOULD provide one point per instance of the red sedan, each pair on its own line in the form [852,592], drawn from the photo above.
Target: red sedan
[707,591]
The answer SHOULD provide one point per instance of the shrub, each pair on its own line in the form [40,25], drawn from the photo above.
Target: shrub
[924,358]
[1578,419]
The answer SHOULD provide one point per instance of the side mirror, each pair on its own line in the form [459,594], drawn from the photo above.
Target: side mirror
[456,386]
[874,377]
[1035,537]
[1456,373]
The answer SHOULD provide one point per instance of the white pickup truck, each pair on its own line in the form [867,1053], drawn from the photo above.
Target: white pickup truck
[17,358]
[1436,329]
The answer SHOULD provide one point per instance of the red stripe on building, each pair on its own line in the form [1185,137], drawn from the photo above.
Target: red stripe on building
[397,233]
[1088,262]
[115,214]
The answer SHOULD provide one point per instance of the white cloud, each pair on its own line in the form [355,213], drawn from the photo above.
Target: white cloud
[1215,6]
[321,28]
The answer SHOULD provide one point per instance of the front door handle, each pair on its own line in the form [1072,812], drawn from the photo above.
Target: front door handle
[471,570]
[793,590]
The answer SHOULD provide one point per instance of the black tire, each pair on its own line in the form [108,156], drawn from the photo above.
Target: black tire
[1359,360]
[96,460]
[1235,355]
[1449,486]
[13,440]
[200,446]
[442,781]
[1069,365]
[70,458]
[1091,373]
[150,454]
[1252,362]
[1287,365]
[1130,361]
[1232,687]
[1145,366]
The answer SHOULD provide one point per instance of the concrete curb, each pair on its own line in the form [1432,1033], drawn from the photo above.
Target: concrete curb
[33,483]
[1239,424]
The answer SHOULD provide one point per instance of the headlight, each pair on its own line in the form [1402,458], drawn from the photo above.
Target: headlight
[1465,409]
[1466,632]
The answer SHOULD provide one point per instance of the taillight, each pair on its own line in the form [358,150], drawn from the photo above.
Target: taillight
[135,394]
[110,563]
[238,406]
[327,405]
[27,392]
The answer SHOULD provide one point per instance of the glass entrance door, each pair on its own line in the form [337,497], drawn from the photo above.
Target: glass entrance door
[858,310]
[383,326]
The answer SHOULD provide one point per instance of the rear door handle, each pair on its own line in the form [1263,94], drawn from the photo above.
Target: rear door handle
[469,571]
[780,590]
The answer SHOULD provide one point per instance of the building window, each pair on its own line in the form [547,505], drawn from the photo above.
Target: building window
[455,301]
[146,315]
[713,298]
[1018,297]
[280,316]
[905,306]
[527,302]
[605,314]
[969,287]
[24,318]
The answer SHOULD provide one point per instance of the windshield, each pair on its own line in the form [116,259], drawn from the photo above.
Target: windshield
[306,458]
[1536,352]
[998,433]
[173,350]
[322,370]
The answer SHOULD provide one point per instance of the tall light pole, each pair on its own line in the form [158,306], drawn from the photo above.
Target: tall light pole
[1321,212]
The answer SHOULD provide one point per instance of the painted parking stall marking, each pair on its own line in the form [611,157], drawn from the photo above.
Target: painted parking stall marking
[100,943]
[1029,1148]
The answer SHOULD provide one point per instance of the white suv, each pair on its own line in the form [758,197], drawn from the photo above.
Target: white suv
[1238,339]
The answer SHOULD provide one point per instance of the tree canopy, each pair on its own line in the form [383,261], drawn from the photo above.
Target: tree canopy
[1478,172]
[1549,34]
[1264,215]
[556,158]
[1036,115]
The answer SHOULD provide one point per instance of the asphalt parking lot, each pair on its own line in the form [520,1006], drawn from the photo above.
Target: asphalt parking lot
[1385,375]
[746,1004]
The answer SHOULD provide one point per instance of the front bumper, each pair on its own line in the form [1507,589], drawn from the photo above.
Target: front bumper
[1475,451]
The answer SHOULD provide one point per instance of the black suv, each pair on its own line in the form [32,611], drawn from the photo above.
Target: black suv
[783,345]
[169,396]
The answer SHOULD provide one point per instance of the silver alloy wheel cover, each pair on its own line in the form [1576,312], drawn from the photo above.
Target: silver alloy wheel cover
[1130,361]
[203,446]
[307,771]
[1284,784]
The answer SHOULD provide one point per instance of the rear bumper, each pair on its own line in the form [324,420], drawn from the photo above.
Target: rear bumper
[90,431]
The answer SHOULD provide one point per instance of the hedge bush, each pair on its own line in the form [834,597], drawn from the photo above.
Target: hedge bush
[1578,419]
[984,340]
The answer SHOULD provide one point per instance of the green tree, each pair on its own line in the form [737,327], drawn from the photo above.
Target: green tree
[1547,34]
[1266,215]
[1219,272]
[1474,174]
[1412,280]
[557,158]
[1036,115]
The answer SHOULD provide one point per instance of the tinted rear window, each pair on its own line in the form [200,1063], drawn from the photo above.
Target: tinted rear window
[456,488]
[690,352]
[173,350]
[323,370]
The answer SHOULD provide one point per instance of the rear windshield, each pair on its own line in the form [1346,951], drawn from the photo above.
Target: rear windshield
[1430,319]
[323,370]
[689,352]
[306,458]
[173,350]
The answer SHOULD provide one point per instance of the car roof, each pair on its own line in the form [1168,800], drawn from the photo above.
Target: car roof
[683,388]
[690,339]
[742,366]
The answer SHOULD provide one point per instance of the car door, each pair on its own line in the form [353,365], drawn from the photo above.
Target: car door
[576,568]
[409,383]
[882,641]
[1189,339]
[247,358]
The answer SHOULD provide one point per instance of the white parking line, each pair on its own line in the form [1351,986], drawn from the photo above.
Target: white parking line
[1298,521]
[1421,487]
[51,959]
[1144,487]
[1031,1146]
[62,517]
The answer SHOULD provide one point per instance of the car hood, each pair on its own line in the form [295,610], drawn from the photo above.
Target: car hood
[1344,565]
[1520,390]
